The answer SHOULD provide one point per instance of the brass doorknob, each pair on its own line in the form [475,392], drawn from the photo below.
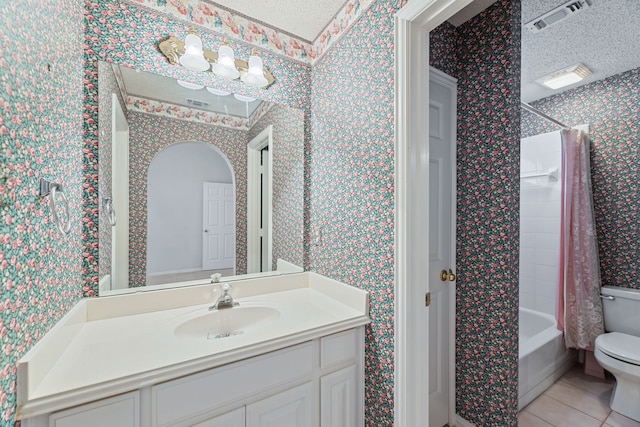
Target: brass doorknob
[447,276]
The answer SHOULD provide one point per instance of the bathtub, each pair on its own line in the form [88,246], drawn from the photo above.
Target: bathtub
[543,357]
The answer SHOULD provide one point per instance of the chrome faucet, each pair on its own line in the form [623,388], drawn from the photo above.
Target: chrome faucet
[225,300]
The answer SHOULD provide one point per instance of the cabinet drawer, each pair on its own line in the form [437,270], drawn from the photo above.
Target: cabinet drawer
[339,348]
[186,397]
[121,411]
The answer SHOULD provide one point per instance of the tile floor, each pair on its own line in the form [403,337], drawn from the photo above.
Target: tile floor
[575,400]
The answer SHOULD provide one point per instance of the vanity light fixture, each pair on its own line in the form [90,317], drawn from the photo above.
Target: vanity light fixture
[223,63]
[565,77]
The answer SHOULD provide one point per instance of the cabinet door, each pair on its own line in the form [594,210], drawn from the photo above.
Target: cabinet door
[230,419]
[338,405]
[291,408]
[121,411]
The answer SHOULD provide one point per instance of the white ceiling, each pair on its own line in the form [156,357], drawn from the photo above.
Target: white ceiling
[302,18]
[605,37]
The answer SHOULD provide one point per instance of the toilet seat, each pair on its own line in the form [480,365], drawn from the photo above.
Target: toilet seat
[620,346]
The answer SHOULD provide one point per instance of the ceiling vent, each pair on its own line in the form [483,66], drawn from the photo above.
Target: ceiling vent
[558,14]
[196,103]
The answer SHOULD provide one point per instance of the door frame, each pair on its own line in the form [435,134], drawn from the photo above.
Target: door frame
[255,146]
[412,26]
[120,196]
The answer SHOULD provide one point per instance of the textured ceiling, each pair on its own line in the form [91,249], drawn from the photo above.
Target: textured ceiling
[302,18]
[605,37]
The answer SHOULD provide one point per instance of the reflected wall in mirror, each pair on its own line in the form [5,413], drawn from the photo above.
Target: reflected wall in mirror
[186,172]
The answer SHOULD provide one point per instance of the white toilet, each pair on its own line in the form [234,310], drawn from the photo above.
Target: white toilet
[618,350]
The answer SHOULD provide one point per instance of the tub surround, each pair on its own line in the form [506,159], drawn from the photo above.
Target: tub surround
[543,357]
[112,345]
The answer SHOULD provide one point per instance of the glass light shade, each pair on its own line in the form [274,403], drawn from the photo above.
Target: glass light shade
[226,66]
[217,91]
[243,98]
[193,57]
[188,85]
[255,75]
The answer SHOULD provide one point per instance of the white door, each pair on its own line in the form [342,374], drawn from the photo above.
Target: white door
[219,226]
[441,244]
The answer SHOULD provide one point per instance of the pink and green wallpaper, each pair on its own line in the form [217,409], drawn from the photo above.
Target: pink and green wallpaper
[349,195]
[352,194]
[611,107]
[40,137]
[352,197]
[288,181]
[488,216]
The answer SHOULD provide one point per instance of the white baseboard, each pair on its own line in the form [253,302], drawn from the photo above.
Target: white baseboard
[461,422]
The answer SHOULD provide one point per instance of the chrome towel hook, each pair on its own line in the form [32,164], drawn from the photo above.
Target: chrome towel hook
[58,203]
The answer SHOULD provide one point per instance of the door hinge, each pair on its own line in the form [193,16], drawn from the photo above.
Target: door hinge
[427,299]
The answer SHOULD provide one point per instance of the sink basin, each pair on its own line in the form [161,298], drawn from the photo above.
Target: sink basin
[226,322]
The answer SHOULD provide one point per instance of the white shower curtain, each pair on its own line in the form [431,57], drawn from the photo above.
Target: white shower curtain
[579,310]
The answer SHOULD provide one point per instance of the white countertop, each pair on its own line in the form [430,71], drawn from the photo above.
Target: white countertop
[107,346]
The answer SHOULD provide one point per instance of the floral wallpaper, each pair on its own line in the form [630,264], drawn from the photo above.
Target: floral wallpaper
[348,177]
[352,194]
[487,249]
[611,107]
[40,137]
[148,135]
[288,181]
[442,49]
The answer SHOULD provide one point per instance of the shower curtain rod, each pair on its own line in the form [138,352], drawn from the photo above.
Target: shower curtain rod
[541,114]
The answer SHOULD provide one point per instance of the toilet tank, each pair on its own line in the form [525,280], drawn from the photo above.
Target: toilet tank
[622,313]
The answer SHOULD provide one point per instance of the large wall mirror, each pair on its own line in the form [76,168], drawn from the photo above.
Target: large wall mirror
[194,182]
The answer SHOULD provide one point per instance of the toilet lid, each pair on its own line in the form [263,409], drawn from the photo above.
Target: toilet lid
[621,346]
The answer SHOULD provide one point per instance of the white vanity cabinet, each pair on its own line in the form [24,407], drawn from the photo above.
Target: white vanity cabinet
[318,383]
[291,354]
